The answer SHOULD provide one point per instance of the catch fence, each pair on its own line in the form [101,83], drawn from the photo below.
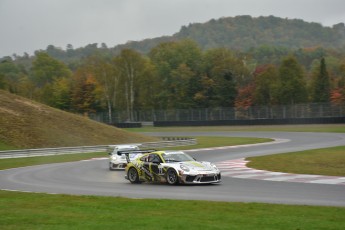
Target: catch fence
[320,110]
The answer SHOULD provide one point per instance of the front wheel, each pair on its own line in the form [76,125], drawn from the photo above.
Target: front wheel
[172,177]
[133,176]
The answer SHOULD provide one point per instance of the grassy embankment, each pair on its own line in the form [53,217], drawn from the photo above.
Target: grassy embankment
[28,124]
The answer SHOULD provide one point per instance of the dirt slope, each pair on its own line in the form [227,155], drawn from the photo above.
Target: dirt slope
[28,124]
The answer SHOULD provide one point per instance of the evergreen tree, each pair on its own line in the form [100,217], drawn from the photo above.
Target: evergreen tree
[321,86]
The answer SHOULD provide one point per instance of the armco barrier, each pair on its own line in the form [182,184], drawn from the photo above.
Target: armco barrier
[167,142]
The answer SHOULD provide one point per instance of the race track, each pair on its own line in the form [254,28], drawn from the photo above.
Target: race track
[92,177]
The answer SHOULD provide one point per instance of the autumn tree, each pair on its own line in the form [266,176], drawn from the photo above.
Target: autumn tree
[83,95]
[107,78]
[338,92]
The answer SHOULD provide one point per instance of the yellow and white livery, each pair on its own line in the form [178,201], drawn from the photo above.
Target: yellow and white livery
[170,167]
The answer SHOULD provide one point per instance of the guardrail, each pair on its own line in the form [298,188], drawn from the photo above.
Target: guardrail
[167,142]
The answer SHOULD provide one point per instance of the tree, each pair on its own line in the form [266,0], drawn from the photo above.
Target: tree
[180,86]
[61,94]
[83,92]
[245,98]
[176,64]
[266,85]
[9,75]
[107,79]
[292,87]
[321,85]
[130,65]
[2,81]
[227,72]
[46,69]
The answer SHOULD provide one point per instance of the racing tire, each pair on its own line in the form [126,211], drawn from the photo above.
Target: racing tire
[110,168]
[172,177]
[133,176]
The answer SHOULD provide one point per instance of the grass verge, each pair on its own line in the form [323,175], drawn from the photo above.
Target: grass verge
[327,161]
[43,211]
[28,161]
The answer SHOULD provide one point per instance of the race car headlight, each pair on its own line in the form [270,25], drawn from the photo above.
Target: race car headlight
[184,168]
[113,158]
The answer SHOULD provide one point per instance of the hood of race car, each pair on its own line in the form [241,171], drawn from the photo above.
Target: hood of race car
[198,166]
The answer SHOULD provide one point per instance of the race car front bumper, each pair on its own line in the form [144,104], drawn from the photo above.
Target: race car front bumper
[201,178]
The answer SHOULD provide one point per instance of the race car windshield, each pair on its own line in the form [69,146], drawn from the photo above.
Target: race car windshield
[177,157]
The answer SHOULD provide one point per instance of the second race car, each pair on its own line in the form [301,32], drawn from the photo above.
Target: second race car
[118,160]
[170,167]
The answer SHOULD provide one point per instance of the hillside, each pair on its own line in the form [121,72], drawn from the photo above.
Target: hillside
[246,32]
[242,33]
[28,124]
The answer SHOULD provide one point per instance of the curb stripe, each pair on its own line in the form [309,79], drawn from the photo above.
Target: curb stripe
[237,169]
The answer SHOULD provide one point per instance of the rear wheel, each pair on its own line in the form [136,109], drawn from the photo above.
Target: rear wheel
[133,176]
[172,177]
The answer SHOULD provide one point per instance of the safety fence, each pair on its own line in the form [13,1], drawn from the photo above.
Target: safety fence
[319,110]
[167,142]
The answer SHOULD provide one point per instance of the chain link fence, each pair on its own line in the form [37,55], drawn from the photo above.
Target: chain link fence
[320,110]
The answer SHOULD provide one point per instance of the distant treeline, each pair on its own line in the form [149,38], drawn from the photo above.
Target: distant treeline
[213,67]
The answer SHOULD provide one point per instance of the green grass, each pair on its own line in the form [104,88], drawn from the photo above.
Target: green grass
[43,211]
[334,128]
[327,161]
[4,146]
[28,161]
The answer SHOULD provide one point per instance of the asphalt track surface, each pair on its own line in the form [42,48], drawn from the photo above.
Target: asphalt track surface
[93,177]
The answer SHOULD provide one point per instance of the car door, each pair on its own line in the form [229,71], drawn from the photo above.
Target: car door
[155,166]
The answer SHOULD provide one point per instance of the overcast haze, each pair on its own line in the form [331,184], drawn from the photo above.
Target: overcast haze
[29,25]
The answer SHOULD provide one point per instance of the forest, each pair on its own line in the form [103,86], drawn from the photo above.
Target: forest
[285,62]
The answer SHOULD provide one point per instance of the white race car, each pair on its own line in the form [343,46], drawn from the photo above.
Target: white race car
[118,160]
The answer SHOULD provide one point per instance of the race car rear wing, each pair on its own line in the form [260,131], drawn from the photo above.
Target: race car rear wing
[127,152]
